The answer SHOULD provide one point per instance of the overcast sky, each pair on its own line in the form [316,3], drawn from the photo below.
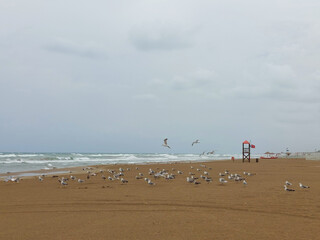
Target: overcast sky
[120,76]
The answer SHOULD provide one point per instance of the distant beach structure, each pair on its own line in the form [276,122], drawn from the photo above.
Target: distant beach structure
[313,156]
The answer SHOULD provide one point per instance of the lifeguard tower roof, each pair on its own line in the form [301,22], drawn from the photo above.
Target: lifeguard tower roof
[246,142]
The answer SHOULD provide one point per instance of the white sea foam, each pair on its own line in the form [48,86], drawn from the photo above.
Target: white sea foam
[7,155]
[29,155]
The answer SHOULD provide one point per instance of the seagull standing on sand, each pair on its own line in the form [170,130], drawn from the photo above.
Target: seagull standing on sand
[190,180]
[222,180]
[288,189]
[303,186]
[288,183]
[63,183]
[150,182]
[195,142]
[123,180]
[165,144]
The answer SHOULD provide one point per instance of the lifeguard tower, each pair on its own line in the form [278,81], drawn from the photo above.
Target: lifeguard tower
[245,151]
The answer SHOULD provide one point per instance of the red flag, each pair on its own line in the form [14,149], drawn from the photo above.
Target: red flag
[253,146]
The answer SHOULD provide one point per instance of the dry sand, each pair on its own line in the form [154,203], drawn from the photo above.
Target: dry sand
[171,209]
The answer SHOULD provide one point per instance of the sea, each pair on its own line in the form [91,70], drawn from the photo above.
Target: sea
[20,162]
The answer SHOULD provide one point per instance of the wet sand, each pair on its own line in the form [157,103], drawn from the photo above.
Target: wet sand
[171,209]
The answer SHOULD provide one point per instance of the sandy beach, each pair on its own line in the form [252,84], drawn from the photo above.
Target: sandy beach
[170,209]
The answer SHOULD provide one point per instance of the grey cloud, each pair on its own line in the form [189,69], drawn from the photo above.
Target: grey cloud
[161,38]
[75,49]
[193,80]
[144,97]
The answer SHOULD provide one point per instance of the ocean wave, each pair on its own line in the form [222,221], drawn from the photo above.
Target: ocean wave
[65,158]
[9,161]
[29,155]
[7,155]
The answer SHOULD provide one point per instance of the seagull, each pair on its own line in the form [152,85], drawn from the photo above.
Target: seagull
[40,179]
[190,180]
[123,180]
[303,186]
[165,144]
[244,182]
[150,183]
[288,189]
[63,183]
[202,154]
[222,180]
[80,181]
[14,179]
[288,183]
[208,179]
[195,142]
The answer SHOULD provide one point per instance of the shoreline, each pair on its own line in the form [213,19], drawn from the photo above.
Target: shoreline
[18,162]
[78,169]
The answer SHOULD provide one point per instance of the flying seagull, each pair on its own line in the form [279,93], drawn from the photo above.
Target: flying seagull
[165,144]
[201,154]
[195,142]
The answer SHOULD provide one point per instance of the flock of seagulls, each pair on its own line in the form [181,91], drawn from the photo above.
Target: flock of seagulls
[231,177]
[154,174]
[195,176]
[114,175]
[287,183]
